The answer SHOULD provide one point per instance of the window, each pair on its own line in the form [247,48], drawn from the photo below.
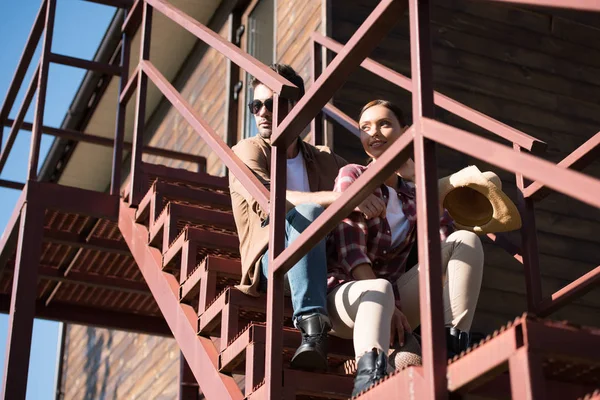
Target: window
[259,44]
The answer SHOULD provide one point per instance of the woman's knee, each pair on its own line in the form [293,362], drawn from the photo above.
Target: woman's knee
[467,241]
[379,287]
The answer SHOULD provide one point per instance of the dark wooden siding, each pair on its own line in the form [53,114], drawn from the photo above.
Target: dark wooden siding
[296,21]
[107,364]
[536,70]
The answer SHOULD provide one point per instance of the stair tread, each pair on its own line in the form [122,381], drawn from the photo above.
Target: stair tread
[209,243]
[222,266]
[251,308]
[307,384]
[185,177]
[339,350]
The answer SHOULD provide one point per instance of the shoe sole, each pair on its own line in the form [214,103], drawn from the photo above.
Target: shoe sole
[308,362]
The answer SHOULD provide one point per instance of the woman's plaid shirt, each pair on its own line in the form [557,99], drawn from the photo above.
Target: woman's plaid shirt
[358,240]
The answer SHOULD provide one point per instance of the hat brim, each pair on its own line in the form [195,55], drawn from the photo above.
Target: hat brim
[476,204]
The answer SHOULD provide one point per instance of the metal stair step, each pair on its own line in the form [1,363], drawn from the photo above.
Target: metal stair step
[193,245]
[309,385]
[185,177]
[232,310]
[175,217]
[208,279]
[339,350]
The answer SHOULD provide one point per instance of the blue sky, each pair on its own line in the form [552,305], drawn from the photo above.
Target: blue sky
[79,27]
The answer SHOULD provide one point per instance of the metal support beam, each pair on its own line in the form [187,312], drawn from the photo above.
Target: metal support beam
[584,5]
[11,184]
[117,159]
[572,291]
[529,244]
[24,61]
[188,387]
[113,3]
[84,64]
[274,351]
[526,375]
[135,191]
[40,103]
[23,302]
[430,258]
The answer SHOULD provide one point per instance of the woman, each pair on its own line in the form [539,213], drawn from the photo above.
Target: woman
[373,298]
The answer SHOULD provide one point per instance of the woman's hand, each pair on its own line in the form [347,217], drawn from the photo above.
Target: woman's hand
[372,207]
[400,325]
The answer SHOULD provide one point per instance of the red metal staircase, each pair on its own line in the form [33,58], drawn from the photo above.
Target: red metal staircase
[166,248]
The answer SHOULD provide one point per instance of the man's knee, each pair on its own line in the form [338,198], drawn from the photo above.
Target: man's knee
[382,288]
[304,214]
[309,210]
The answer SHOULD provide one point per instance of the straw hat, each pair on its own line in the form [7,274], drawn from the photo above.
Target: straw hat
[476,202]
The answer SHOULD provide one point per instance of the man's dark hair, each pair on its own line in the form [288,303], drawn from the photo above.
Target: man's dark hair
[287,72]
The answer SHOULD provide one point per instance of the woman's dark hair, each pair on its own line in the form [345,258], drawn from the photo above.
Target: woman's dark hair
[387,104]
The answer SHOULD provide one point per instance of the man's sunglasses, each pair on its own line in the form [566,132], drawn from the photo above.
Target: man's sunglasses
[255,105]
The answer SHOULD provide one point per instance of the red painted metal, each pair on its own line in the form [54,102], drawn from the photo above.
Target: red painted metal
[198,351]
[575,184]
[584,5]
[73,239]
[188,387]
[76,314]
[498,128]
[8,240]
[529,244]
[344,120]
[133,19]
[526,375]
[430,259]
[117,159]
[268,77]
[130,87]
[135,184]
[390,161]
[106,142]
[11,184]
[114,3]
[255,365]
[22,302]
[32,41]
[317,124]
[577,160]
[235,165]
[572,291]
[84,64]
[16,125]
[38,117]
[274,349]
[360,45]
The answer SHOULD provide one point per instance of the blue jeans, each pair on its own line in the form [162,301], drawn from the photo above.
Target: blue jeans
[308,278]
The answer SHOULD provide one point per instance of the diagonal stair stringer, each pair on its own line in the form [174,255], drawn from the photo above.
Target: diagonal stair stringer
[200,352]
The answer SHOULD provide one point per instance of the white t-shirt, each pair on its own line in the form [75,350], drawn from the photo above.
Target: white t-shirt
[297,177]
[396,219]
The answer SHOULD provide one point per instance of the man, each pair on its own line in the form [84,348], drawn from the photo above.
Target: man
[311,172]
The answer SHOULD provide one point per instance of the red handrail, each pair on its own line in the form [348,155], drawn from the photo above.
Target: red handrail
[494,126]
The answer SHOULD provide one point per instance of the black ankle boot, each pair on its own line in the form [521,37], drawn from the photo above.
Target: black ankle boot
[312,353]
[371,367]
[457,341]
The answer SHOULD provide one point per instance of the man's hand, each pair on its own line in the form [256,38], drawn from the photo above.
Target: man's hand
[372,207]
[399,326]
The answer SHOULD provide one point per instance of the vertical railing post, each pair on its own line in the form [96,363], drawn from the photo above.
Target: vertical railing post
[40,102]
[135,193]
[529,244]
[526,375]
[22,302]
[188,387]
[117,162]
[430,269]
[317,124]
[274,339]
